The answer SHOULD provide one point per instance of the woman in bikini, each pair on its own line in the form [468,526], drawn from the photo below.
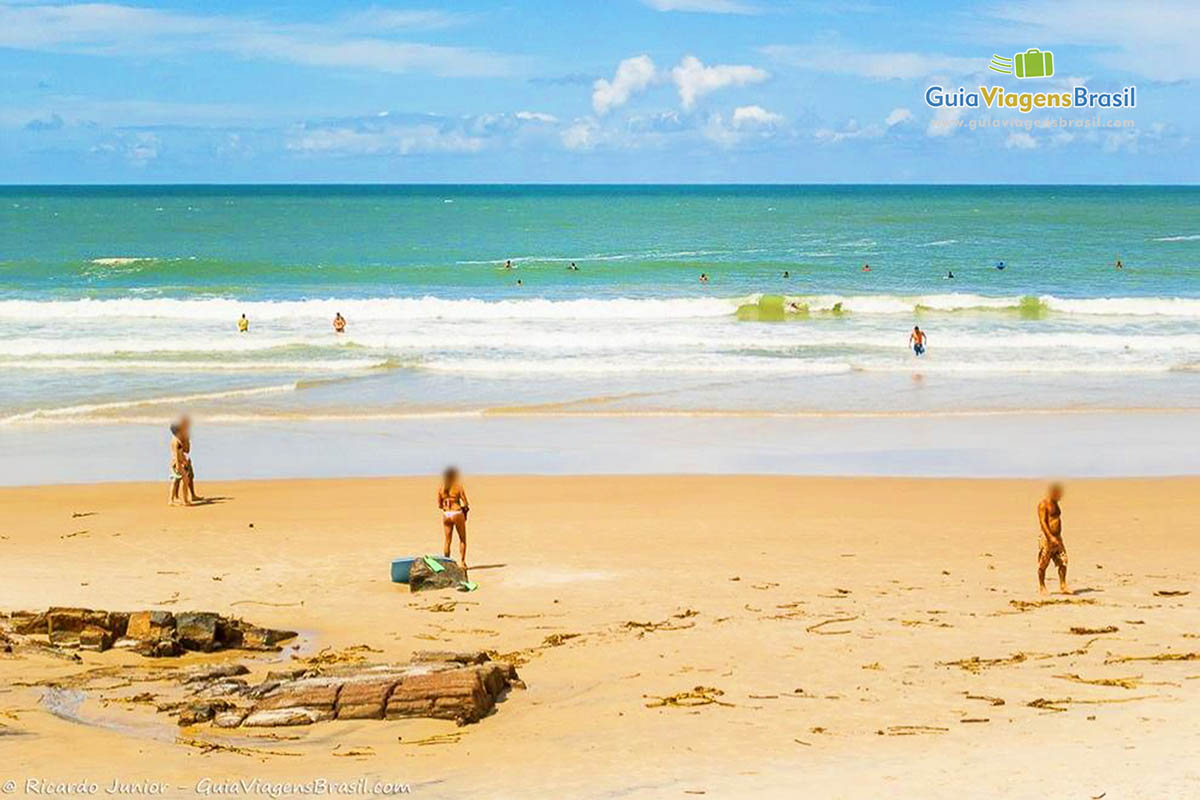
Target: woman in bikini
[452,500]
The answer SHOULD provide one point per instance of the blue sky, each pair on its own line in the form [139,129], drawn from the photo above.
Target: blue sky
[604,91]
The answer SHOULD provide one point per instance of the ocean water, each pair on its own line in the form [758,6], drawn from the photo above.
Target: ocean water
[121,303]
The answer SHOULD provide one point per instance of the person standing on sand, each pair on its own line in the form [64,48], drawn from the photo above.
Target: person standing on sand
[452,502]
[916,340]
[183,476]
[1050,544]
[339,323]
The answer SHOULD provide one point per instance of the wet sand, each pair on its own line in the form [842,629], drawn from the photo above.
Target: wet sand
[852,636]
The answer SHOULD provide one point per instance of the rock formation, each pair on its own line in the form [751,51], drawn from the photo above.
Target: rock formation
[421,578]
[463,687]
[151,633]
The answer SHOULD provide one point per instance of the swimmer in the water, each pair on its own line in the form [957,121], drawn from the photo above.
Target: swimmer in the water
[787,274]
[508,264]
[1119,264]
[520,282]
[243,324]
[704,277]
[1000,265]
[339,323]
[916,341]
[866,268]
[950,275]
[573,268]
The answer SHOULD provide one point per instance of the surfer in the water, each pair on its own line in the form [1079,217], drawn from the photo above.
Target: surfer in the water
[916,340]
[339,323]
[453,503]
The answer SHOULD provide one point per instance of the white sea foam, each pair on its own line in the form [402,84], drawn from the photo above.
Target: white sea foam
[1189,238]
[173,402]
[431,308]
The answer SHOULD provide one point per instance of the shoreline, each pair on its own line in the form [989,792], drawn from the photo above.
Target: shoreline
[1039,445]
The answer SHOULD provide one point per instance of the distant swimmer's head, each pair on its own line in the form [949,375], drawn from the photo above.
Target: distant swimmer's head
[1055,492]
[450,476]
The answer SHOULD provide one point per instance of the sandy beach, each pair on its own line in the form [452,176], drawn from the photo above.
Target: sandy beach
[857,637]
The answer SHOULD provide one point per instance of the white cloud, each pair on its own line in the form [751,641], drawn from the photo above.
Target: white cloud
[704,6]
[633,75]
[581,135]
[536,116]
[879,66]
[351,42]
[851,130]
[1156,39]
[944,122]
[695,80]
[753,116]
[747,123]
[401,140]
[1019,140]
[897,117]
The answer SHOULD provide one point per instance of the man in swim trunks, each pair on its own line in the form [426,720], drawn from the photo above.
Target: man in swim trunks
[1050,544]
[453,503]
[916,340]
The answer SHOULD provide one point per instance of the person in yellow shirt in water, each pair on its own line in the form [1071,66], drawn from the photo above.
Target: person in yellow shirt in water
[243,324]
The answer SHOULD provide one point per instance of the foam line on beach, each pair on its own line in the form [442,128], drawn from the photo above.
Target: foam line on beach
[536,412]
[620,308]
[95,409]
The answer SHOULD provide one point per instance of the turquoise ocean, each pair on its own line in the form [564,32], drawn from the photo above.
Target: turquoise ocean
[121,303]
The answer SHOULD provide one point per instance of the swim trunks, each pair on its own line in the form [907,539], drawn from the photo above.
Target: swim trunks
[919,349]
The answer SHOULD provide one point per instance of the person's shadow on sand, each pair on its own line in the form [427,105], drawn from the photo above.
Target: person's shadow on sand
[208,501]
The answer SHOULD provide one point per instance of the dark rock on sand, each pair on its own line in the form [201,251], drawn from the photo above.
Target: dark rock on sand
[421,578]
[199,630]
[451,656]
[202,711]
[463,688]
[210,672]
[155,634]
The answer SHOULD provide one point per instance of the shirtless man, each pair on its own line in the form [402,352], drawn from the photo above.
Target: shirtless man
[916,340]
[1050,545]
[453,503]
